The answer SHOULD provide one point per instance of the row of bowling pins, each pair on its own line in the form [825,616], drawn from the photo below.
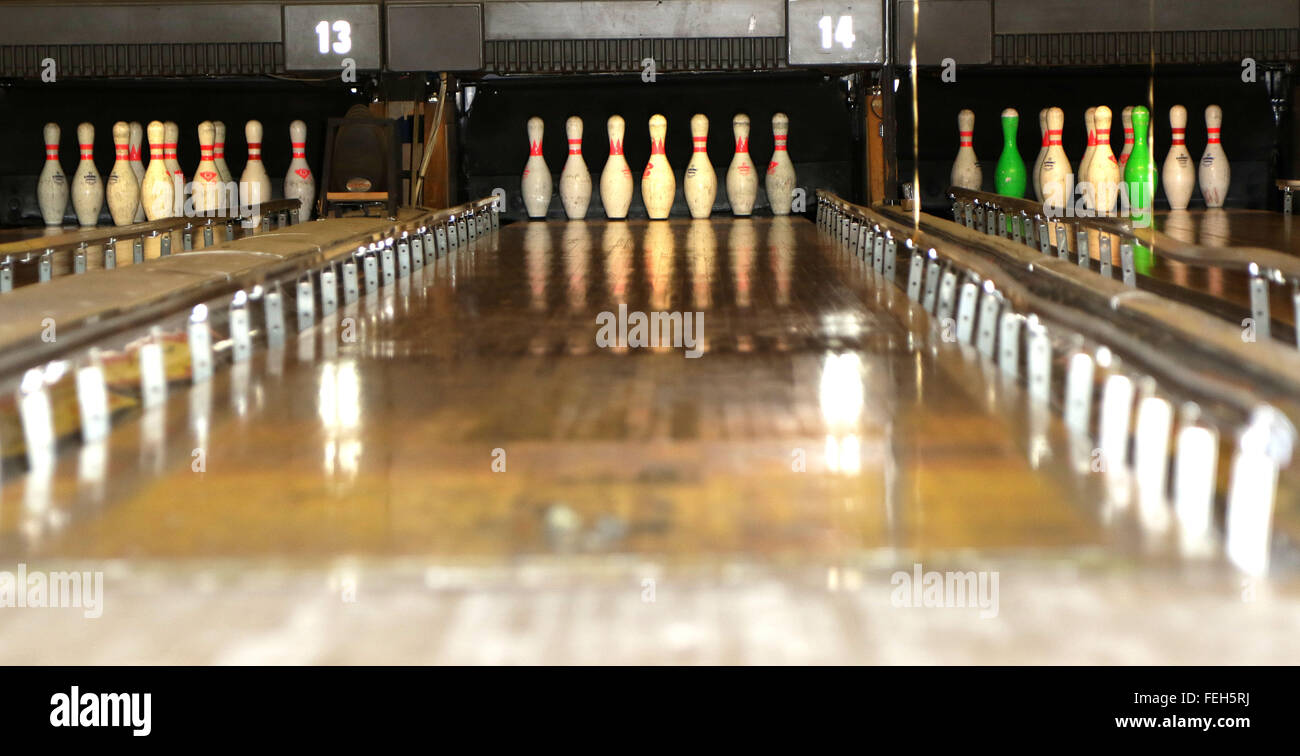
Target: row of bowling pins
[1099,169]
[658,184]
[136,193]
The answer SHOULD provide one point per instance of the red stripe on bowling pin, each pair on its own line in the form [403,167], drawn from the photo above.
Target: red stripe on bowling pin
[133,153]
[780,143]
[742,144]
[1213,133]
[534,148]
[122,152]
[657,147]
[299,149]
[87,151]
[616,147]
[701,143]
[575,146]
[1178,135]
[218,149]
[966,138]
[1054,135]
[255,151]
[51,152]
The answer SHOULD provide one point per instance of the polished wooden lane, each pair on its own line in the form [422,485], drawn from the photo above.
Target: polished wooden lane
[462,452]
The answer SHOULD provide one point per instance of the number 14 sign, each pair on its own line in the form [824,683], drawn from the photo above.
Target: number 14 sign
[834,32]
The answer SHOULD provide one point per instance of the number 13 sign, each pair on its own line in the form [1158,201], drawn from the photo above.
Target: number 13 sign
[834,32]
[323,37]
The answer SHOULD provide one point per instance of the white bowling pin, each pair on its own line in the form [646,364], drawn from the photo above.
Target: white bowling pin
[1090,128]
[134,155]
[1215,173]
[536,183]
[1042,154]
[52,186]
[780,172]
[173,135]
[207,181]
[122,188]
[966,171]
[742,179]
[298,182]
[700,184]
[1126,117]
[575,179]
[156,191]
[254,183]
[1055,174]
[1104,173]
[658,185]
[1178,177]
[87,187]
[616,178]
[229,190]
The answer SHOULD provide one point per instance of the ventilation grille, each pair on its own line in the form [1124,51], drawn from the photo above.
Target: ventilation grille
[1098,48]
[216,59]
[625,55]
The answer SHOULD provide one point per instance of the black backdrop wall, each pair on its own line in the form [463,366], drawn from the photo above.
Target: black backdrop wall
[823,145]
[26,107]
[1248,126]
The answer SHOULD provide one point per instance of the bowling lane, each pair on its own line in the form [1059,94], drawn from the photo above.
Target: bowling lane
[461,452]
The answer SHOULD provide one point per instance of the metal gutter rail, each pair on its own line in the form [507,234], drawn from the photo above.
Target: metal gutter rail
[1125,370]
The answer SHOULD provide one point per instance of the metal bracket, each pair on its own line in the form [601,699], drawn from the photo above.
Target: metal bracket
[1009,344]
[947,296]
[1259,307]
[986,339]
[46,266]
[153,378]
[1126,259]
[273,307]
[79,260]
[1103,255]
[1081,243]
[329,292]
[351,291]
[306,303]
[1039,362]
[891,250]
[241,338]
[200,343]
[92,401]
[914,277]
[371,272]
[966,311]
[389,265]
[931,285]
[137,251]
[1062,242]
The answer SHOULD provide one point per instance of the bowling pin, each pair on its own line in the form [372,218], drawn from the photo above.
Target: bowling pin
[1104,173]
[254,183]
[742,179]
[536,183]
[1178,174]
[658,185]
[1090,127]
[701,183]
[298,182]
[1042,154]
[122,187]
[1215,173]
[172,136]
[207,181]
[52,186]
[780,172]
[137,163]
[575,179]
[1126,117]
[966,171]
[616,177]
[157,194]
[87,188]
[1009,176]
[1140,170]
[1054,176]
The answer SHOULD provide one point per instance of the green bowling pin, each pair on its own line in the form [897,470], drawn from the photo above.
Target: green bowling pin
[1010,177]
[1140,171]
